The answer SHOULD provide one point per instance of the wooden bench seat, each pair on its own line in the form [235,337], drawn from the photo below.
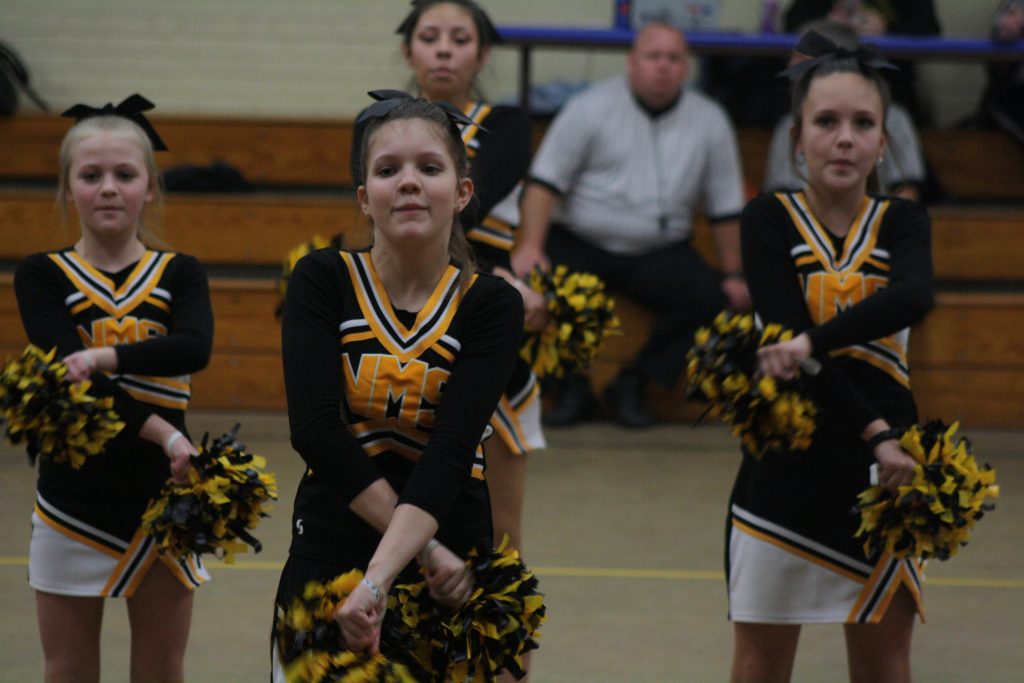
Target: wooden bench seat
[218,229]
[267,151]
[969,164]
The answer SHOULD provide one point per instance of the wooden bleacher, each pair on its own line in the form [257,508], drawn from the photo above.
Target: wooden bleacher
[274,152]
[966,359]
[969,164]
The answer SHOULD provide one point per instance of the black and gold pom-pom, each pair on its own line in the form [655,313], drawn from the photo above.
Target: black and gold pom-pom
[491,633]
[766,413]
[309,640]
[582,315]
[227,494]
[498,625]
[56,418]
[934,515]
[293,256]
[319,666]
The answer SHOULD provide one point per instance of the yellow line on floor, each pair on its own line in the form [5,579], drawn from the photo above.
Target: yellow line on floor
[615,573]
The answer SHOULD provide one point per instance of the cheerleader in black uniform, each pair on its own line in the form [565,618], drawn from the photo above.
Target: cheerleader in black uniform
[851,272]
[395,358]
[446,43]
[136,321]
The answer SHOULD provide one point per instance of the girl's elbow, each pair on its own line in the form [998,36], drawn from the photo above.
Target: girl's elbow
[922,303]
[197,354]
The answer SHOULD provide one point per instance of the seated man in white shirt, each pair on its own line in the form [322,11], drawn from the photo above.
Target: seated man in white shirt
[613,190]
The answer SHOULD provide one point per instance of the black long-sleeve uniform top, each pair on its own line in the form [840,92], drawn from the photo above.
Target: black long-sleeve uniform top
[499,157]
[376,392]
[157,315]
[855,296]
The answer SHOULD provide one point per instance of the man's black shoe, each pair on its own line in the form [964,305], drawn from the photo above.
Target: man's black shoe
[575,403]
[625,397]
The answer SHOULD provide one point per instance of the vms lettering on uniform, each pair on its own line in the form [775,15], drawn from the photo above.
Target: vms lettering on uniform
[138,309]
[114,332]
[381,387]
[837,277]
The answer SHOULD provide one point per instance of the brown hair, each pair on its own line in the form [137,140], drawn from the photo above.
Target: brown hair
[485,31]
[150,218]
[486,34]
[837,65]
[420,109]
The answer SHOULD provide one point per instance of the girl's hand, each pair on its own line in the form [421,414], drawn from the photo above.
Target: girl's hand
[525,257]
[361,616]
[81,365]
[449,578]
[535,308]
[737,293]
[895,466]
[180,451]
[782,360]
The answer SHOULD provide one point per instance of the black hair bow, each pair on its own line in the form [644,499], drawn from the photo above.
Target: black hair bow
[130,108]
[490,34]
[389,99]
[821,49]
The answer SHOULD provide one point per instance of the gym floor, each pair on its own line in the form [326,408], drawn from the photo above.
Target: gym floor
[624,530]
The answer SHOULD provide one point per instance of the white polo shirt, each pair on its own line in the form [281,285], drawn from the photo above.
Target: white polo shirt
[631,183]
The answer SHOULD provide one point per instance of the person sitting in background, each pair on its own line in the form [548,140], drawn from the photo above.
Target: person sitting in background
[901,171]
[626,163]
[1002,103]
[872,18]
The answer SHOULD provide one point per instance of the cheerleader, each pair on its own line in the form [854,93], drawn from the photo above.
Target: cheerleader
[851,272]
[446,43]
[137,321]
[395,358]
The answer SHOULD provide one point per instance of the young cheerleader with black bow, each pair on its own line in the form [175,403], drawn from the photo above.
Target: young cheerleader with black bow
[850,272]
[136,321]
[446,43]
[395,358]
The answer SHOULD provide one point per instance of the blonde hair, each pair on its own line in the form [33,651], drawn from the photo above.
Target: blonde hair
[149,221]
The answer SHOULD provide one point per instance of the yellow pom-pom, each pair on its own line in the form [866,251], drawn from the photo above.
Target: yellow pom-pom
[292,258]
[226,497]
[59,420]
[768,414]
[934,515]
[582,318]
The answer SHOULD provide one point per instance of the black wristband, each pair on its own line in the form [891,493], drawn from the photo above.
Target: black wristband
[734,275]
[891,433]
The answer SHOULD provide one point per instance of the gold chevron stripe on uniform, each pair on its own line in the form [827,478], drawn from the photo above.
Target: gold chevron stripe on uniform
[431,322]
[357,337]
[74,534]
[793,548]
[159,303]
[858,243]
[167,392]
[100,290]
[131,567]
[885,580]
[494,232]
[477,112]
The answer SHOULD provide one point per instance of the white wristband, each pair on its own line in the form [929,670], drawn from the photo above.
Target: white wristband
[374,590]
[171,439]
